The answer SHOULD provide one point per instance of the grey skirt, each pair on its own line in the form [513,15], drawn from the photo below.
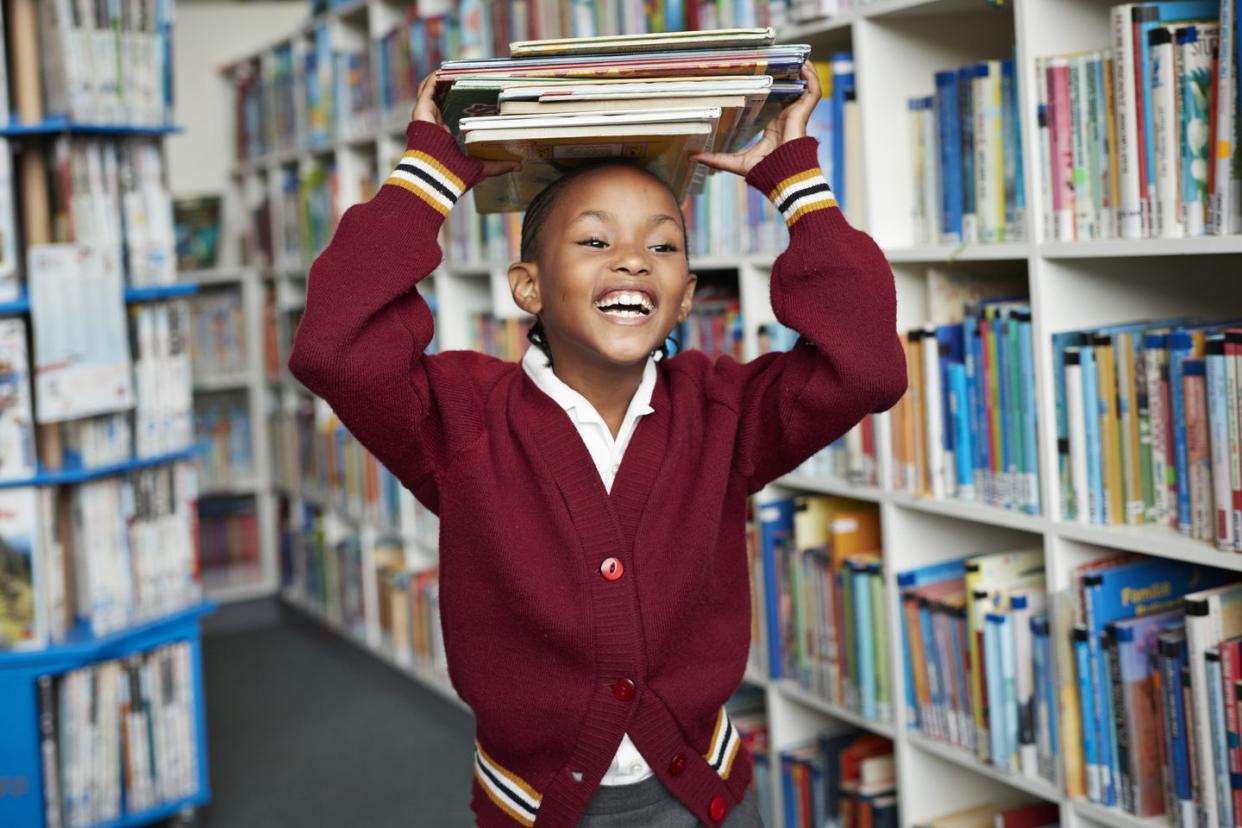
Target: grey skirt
[649,804]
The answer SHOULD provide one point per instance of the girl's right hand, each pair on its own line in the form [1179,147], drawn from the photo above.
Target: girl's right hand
[425,109]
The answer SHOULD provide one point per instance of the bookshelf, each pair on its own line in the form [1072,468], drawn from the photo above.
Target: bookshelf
[897,46]
[100,573]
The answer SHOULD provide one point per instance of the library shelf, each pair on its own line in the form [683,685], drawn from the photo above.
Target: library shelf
[1135,248]
[1116,817]
[790,690]
[830,486]
[967,510]
[1002,252]
[67,477]
[159,293]
[83,648]
[56,126]
[19,305]
[1160,541]
[966,759]
[215,275]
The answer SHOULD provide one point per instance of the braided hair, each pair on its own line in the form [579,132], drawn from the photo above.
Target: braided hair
[537,212]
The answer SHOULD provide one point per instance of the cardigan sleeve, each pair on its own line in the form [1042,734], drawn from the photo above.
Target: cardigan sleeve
[361,344]
[833,286]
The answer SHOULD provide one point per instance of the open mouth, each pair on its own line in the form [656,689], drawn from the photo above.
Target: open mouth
[625,304]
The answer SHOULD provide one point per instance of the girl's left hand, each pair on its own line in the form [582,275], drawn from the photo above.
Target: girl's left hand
[788,126]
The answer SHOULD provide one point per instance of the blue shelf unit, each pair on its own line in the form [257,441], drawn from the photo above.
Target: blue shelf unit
[56,126]
[21,766]
[70,476]
[133,295]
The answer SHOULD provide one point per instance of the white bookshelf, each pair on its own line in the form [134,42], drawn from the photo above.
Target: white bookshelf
[897,45]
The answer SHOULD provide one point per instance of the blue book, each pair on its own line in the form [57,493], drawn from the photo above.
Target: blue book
[950,341]
[1028,407]
[1045,696]
[1220,747]
[1181,347]
[1011,436]
[1011,132]
[935,679]
[992,632]
[948,127]
[1014,138]
[1009,694]
[775,524]
[965,99]
[1175,670]
[961,660]
[1091,405]
[865,636]
[974,393]
[963,439]
[842,89]
[789,790]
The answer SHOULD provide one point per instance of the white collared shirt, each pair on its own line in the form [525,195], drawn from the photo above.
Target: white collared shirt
[628,766]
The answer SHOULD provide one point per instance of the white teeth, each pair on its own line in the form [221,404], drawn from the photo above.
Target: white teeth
[625,297]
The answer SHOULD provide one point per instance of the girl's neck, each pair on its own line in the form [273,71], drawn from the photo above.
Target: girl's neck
[609,388]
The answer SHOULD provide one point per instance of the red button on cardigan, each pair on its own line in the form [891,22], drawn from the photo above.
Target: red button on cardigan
[717,808]
[611,569]
[623,689]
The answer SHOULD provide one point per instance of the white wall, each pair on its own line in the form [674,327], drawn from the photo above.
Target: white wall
[208,35]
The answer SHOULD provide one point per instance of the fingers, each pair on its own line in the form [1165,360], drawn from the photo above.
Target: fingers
[728,162]
[425,108]
[795,118]
[491,168]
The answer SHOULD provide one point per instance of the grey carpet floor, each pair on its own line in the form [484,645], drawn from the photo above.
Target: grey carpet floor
[306,730]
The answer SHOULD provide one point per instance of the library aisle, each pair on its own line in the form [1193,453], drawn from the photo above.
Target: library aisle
[307,730]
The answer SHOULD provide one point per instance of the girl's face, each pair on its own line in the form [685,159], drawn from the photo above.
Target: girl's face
[612,278]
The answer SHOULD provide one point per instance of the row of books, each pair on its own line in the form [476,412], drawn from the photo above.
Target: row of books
[966,148]
[1027,815]
[100,556]
[107,63]
[966,428]
[976,654]
[1151,741]
[824,609]
[219,346]
[110,194]
[1140,141]
[164,400]
[118,738]
[228,532]
[1161,444]
[846,779]
[279,328]
[308,207]
[222,424]
[714,326]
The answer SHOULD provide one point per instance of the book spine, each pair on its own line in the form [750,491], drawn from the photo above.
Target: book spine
[1223,202]
[962,435]
[1233,415]
[933,409]
[1105,357]
[1198,452]
[1061,148]
[966,115]
[1091,420]
[1109,757]
[1181,346]
[1080,148]
[1086,703]
[1122,736]
[1218,428]
[1220,750]
[1077,436]
[1096,142]
[1132,494]
[1111,180]
[1165,133]
[1196,58]
[1203,630]
[948,124]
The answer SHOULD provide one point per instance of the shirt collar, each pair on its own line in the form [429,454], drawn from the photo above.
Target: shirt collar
[535,364]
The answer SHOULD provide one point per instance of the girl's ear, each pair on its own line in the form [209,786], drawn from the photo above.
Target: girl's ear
[524,284]
[687,299]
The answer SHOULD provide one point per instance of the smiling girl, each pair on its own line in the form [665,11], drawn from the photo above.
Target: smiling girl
[592,498]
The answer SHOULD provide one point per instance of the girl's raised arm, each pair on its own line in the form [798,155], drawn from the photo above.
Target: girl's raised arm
[362,340]
[834,287]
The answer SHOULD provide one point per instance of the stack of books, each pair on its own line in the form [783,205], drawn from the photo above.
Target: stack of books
[654,99]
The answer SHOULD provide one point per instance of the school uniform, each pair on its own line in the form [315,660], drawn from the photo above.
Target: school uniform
[577,615]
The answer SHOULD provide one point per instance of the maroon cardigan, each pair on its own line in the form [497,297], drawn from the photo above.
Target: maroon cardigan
[572,616]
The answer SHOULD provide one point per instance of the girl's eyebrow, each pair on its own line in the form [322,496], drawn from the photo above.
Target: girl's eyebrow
[604,215]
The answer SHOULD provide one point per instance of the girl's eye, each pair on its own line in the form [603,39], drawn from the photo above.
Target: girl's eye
[667,247]
[594,241]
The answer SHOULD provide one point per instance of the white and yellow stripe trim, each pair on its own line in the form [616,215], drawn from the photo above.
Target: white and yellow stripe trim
[724,745]
[803,193]
[506,789]
[428,179]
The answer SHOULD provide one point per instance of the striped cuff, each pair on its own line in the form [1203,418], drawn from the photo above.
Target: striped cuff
[433,168]
[506,789]
[428,179]
[791,178]
[724,745]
